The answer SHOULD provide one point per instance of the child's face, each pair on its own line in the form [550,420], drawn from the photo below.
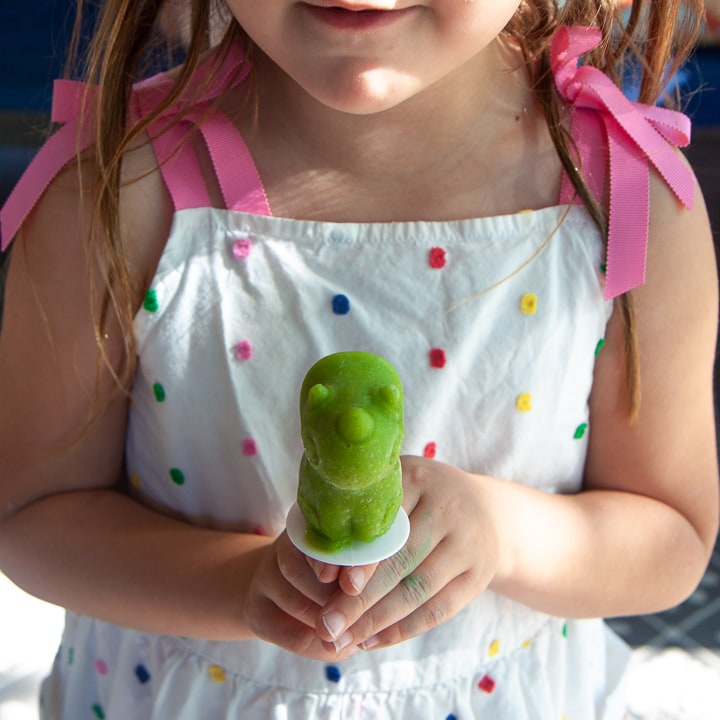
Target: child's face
[365,56]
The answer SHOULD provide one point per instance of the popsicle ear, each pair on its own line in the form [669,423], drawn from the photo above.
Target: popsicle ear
[317,395]
[390,395]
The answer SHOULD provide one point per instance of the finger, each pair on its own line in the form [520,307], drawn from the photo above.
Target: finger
[354,579]
[424,590]
[324,572]
[295,569]
[438,609]
[273,625]
[344,610]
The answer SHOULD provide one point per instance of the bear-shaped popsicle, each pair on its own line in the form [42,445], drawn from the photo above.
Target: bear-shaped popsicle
[352,426]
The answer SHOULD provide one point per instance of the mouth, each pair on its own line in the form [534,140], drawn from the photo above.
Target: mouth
[355,17]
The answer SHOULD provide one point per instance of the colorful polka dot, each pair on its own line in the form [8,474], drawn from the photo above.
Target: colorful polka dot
[599,346]
[98,712]
[487,684]
[438,358]
[333,674]
[243,350]
[241,249]
[527,644]
[524,402]
[437,258]
[159,392]
[142,674]
[528,304]
[71,655]
[217,674]
[494,648]
[101,667]
[580,431]
[135,481]
[430,450]
[451,717]
[249,447]
[565,630]
[341,304]
[151,301]
[259,530]
[177,476]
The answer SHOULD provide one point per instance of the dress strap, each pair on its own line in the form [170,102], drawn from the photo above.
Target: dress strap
[636,136]
[234,166]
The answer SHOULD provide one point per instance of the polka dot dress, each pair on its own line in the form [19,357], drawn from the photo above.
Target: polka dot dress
[494,325]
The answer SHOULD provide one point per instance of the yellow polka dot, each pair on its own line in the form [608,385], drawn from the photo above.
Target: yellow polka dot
[524,402]
[494,648]
[217,674]
[135,480]
[528,304]
[525,212]
[527,644]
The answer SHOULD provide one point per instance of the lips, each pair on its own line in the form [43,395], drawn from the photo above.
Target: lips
[343,17]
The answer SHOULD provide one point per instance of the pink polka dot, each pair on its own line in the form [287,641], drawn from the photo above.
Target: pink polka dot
[243,350]
[249,447]
[241,248]
[438,358]
[259,530]
[430,450]
[437,258]
[101,667]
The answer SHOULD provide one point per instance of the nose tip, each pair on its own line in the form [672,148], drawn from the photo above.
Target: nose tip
[355,425]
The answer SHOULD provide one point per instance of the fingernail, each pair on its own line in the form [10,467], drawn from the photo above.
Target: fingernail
[343,641]
[334,623]
[370,643]
[357,579]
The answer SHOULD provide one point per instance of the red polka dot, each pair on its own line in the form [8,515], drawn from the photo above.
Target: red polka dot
[249,447]
[259,530]
[101,667]
[437,258]
[487,684]
[430,450]
[438,359]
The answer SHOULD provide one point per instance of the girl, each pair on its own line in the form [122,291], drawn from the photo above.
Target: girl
[431,181]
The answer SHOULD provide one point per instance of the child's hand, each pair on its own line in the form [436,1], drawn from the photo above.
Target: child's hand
[283,601]
[450,558]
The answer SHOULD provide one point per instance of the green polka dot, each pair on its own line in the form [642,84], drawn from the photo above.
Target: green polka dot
[599,346]
[98,712]
[177,476]
[580,431]
[603,267]
[565,630]
[71,656]
[159,391]
[151,301]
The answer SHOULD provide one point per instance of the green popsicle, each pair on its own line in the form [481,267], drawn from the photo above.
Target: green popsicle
[350,480]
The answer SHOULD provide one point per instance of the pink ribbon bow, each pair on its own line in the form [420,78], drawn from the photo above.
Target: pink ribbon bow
[636,135]
[77,131]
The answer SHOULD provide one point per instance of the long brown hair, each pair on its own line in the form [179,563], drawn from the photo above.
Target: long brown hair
[132,37]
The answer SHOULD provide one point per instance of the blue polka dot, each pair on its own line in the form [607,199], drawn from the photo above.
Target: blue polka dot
[341,305]
[332,673]
[451,717]
[142,674]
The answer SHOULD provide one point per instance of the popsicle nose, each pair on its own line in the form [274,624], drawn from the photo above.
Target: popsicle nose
[355,425]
